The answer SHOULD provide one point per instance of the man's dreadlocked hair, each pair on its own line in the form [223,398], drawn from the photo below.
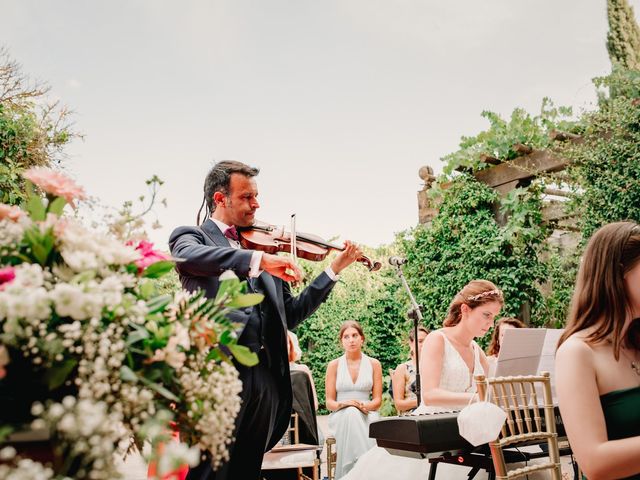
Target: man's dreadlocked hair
[218,180]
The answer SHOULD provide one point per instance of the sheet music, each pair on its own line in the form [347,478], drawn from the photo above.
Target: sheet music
[528,351]
[548,357]
[520,351]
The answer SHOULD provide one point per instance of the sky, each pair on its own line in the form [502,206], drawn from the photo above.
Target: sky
[338,102]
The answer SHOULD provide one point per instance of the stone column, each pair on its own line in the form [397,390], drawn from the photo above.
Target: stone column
[427,209]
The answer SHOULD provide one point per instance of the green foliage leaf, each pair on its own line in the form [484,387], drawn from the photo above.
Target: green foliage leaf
[226,337]
[243,355]
[5,431]
[160,390]
[36,208]
[228,288]
[245,300]
[58,373]
[57,206]
[147,289]
[128,375]
[159,303]
[137,335]
[132,268]
[158,269]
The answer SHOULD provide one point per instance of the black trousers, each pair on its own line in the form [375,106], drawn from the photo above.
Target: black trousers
[254,426]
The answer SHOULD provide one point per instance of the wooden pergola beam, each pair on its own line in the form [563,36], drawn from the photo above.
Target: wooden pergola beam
[527,166]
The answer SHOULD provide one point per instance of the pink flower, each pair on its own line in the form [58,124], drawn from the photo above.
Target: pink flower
[55,183]
[149,256]
[7,274]
[10,211]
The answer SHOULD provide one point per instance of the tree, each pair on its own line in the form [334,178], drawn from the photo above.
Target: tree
[623,38]
[607,163]
[33,130]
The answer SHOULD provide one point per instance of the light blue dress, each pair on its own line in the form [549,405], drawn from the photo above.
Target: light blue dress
[350,426]
[378,464]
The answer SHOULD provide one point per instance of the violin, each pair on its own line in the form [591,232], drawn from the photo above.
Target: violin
[272,239]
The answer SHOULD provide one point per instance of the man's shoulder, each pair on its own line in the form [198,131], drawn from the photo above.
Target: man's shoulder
[185,229]
[188,231]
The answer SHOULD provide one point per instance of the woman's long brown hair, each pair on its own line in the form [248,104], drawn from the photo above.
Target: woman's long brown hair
[600,299]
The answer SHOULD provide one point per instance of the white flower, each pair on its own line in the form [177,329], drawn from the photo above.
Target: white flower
[7,453]
[181,334]
[10,232]
[25,469]
[176,454]
[40,304]
[28,275]
[170,354]
[112,289]
[68,301]
[80,260]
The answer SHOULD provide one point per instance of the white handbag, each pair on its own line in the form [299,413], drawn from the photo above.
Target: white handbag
[480,422]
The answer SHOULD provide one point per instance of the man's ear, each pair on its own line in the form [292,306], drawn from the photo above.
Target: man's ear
[219,198]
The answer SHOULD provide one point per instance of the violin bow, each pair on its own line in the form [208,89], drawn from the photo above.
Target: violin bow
[294,246]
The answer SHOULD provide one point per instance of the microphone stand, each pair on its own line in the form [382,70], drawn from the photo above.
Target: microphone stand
[415,314]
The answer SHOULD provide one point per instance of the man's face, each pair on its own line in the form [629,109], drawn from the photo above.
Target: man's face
[242,202]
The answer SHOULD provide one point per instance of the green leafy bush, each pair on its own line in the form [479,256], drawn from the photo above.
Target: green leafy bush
[607,163]
[464,242]
[501,137]
[373,300]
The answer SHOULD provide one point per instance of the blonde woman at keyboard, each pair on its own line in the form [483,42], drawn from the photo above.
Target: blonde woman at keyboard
[449,359]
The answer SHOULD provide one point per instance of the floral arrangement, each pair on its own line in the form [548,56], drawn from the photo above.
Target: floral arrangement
[93,355]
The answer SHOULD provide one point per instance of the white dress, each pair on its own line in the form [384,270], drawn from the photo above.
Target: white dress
[378,464]
[350,426]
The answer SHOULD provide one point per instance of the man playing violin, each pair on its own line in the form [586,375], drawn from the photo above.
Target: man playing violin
[231,198]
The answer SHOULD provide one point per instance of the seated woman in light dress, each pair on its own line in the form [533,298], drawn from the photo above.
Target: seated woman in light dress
[403,381]
[353,389]
[502,325]
[449,359]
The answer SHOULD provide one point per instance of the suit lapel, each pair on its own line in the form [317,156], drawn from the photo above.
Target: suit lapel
[212,231]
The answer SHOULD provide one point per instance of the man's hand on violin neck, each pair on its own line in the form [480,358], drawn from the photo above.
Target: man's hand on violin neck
[281,267]
[350,254]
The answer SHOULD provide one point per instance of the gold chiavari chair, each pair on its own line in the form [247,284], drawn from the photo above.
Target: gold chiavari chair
[528,421]
[331,457]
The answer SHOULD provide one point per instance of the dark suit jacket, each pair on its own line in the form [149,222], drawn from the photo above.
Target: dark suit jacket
[206,253]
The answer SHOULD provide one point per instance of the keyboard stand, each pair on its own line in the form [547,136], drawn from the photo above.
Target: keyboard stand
[480,459]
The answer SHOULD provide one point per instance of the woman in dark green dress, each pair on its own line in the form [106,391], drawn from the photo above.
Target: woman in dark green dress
[598,357]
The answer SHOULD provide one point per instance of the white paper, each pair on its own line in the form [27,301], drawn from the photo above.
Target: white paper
[520,351]
[528,351]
